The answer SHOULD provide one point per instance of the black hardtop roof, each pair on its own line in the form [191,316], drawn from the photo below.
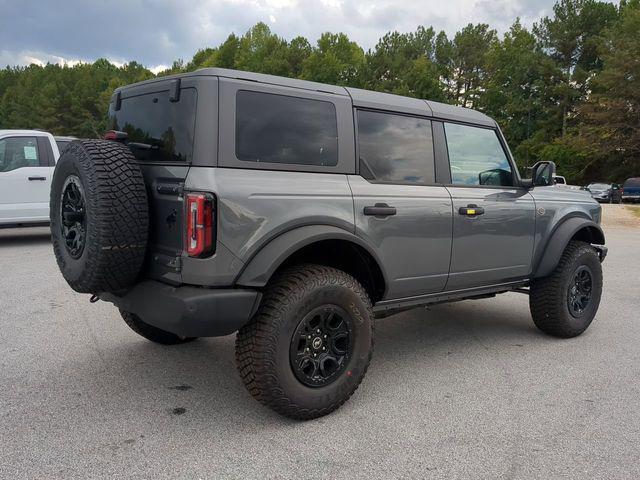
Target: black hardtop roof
[360,98]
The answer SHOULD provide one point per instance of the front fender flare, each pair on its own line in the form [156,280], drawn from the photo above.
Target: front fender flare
[559,240]
[263,264]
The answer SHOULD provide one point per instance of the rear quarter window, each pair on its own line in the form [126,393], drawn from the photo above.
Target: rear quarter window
[158,130]
[274,128]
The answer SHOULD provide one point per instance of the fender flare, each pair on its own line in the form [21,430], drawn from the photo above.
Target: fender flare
[259,269]
[559,240]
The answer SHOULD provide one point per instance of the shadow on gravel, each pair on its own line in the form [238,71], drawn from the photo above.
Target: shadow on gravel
[202,374]
[11,237]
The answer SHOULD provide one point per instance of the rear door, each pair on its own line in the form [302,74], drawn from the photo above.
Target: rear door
[398,206]
[493,219]
[26,167]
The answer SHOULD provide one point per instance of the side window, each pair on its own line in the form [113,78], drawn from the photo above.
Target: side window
[18,152]
[396,148]
[477,157]
[282,129]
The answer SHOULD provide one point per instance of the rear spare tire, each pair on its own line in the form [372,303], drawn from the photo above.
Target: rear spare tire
[99,216]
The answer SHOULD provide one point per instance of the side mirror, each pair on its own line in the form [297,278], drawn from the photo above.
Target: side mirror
[541,175]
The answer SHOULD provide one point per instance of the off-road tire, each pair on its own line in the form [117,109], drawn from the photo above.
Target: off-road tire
[155,334]
[116,216]
[548,296]
[263,345]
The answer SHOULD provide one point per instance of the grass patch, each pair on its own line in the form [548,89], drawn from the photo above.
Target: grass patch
[634,210]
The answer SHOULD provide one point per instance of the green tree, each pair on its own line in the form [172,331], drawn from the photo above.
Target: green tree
[336,60]
[608,134]
[571,37]
[517,91]
[404,63]
[465,60]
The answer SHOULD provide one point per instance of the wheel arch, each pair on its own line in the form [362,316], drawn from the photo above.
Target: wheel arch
[574,228]
[310,244]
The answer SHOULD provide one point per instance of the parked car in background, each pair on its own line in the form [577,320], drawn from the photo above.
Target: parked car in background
[631,190]
[559,180]
[605,192]
[63,142]
[27,160]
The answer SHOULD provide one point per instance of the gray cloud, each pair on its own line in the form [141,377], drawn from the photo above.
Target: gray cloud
[156,32]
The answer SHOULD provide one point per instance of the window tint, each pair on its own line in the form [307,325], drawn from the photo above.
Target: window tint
[280,129]
[477,157]
[396,148]
[18,152]
[158,130]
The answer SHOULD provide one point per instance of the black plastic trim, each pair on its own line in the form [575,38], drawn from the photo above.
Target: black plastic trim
[188,311]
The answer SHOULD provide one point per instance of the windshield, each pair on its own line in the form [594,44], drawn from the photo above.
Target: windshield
[598,186]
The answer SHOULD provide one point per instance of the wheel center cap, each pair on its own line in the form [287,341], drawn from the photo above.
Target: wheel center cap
[317,343]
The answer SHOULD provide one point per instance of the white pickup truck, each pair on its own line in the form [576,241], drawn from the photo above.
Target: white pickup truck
[27,160]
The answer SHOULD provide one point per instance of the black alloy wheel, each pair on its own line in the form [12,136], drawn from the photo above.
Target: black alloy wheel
[321,345]
[579,291]
[73,214]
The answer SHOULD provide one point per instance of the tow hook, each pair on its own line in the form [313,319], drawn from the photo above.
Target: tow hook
[602,251]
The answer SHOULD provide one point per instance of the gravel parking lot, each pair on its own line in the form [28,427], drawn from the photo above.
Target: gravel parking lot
[464,390]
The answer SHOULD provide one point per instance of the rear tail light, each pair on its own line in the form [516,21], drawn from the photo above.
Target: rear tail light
[200,224]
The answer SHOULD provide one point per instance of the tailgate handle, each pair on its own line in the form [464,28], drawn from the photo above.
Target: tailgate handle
[380,210]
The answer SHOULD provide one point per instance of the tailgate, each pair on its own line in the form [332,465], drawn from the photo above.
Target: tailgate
[166,218]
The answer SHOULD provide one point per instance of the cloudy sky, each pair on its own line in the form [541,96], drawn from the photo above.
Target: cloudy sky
[156,32]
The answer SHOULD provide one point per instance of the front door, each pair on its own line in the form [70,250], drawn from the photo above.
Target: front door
[493,219]
[398,208]
[25,180]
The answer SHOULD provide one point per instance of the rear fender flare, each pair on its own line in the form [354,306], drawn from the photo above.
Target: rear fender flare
[263,264]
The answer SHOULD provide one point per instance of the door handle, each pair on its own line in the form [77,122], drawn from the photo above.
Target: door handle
[37,178]
[380,210]
[471,210]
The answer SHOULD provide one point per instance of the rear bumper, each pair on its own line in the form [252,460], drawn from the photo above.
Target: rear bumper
[188,311]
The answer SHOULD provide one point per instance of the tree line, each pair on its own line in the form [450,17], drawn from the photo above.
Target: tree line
[566,90]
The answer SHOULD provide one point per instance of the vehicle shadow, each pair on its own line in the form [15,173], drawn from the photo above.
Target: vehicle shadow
[10,237]
[203,373]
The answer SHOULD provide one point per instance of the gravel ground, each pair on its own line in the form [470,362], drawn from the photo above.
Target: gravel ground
[618,216]
[464,390]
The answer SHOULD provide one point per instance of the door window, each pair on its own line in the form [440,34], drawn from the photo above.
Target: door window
[396,148]
[18,152]
[476,156]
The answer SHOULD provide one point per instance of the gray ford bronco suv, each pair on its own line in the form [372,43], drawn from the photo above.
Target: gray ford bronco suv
[295,213]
